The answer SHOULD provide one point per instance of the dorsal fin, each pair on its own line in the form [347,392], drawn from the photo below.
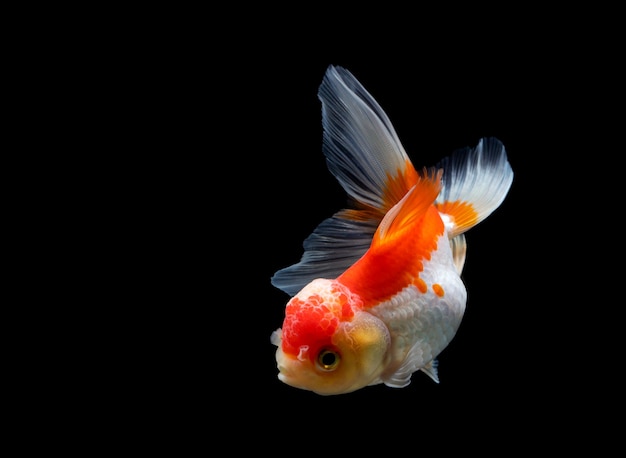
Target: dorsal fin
[360,144]
[365,155]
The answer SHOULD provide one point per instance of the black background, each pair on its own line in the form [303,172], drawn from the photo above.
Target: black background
[199,132]
[243,182]
[435,111]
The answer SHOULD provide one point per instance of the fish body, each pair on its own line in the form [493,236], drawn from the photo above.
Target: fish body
[378,293]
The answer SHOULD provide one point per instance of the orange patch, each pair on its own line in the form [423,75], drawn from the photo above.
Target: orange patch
[389,267]
[312,319]
[399,185]
[463,213]
[421,285]
[438,290]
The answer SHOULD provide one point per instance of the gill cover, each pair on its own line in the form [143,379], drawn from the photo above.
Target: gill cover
[363,345]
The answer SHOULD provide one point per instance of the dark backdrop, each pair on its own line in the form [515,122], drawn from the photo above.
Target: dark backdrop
[242,181]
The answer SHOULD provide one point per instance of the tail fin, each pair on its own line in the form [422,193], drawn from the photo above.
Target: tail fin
[475,182]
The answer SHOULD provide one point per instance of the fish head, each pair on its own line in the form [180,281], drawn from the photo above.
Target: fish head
[328,344]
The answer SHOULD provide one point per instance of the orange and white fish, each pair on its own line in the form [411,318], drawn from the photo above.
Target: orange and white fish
[378,292]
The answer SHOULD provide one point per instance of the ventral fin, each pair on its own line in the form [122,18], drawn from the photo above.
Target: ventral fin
[430,369]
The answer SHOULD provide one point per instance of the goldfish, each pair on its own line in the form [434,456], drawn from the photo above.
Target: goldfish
[377,294]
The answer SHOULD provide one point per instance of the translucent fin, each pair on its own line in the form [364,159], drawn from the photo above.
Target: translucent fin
[365,155]
[475,182]
[430,369]
[413,361]
[360,144]
[336,244]
[399,379]
[459,250]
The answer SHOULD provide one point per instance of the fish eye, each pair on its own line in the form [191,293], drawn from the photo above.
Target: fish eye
[328,359]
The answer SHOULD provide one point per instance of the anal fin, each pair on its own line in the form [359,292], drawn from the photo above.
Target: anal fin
[459,250]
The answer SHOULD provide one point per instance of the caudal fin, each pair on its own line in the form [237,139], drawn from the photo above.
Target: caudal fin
[475,182]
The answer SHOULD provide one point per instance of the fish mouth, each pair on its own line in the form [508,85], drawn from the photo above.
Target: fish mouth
[283,372]
[285,376]
[286,372]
